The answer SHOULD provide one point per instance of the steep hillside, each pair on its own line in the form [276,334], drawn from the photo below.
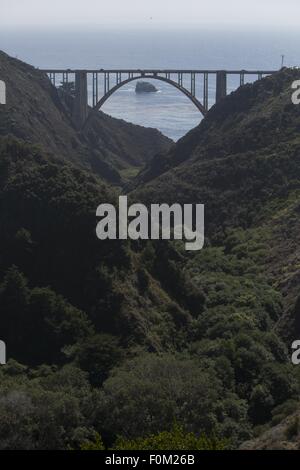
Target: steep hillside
[47,226]
[124,338]
[282,436]
[243,163]
[252,118]
[36,114]
[146,332]
[128,146]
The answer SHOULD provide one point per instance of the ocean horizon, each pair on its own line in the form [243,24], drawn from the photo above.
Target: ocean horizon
[168,110]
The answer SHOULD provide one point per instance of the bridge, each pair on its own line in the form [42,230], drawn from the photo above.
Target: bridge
[103,83]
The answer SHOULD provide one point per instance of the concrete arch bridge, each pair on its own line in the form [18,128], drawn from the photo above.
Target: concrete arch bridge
[104,83]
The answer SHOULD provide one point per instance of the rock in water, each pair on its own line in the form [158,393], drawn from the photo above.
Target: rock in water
[145,87]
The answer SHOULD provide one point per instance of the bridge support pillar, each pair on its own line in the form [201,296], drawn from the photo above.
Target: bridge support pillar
[221,85]
[80,106]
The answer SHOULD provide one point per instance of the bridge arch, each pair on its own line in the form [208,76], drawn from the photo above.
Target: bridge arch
[104,98]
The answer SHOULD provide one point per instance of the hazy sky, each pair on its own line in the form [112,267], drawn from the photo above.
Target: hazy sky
[150,13]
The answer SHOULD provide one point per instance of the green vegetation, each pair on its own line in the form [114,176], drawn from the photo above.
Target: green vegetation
[293,428]
[175,439]
[111,343]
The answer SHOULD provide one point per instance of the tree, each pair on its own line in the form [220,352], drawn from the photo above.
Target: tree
[148,393]
[68,88]
[14,295]
[97,355]
[175,439]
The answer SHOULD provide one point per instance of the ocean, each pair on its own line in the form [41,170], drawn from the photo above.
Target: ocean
[168,110]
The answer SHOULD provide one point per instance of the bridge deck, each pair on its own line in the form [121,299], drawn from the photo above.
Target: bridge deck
[151,71]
